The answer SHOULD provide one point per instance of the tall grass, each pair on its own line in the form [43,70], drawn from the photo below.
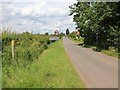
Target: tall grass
[27,49]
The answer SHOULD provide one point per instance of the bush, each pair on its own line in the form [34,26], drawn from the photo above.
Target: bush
[28,46]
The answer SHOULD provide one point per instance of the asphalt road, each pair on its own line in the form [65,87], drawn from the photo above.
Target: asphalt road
[96,70]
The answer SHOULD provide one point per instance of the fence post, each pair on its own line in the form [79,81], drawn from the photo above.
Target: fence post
[13,49]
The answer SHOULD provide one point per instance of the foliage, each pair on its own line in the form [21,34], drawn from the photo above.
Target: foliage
[73,34]
[46,33]
[28,47]
[67,32]
[51,70]
[98,22]
[62,34]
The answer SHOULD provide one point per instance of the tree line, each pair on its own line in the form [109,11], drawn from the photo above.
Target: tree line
[98,22]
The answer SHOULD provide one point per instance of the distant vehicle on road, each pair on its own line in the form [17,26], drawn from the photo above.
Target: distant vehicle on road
[52,39]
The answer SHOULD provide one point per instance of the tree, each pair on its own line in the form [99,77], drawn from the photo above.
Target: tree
[73,34]
[47,33]
[62,34]
[98,22]
[67,32]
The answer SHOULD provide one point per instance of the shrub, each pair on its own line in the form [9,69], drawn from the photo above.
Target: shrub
[28,46]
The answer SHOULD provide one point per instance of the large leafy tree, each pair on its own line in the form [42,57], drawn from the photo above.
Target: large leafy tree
[98,22]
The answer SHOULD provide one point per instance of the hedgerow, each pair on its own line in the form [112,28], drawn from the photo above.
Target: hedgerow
[27,47]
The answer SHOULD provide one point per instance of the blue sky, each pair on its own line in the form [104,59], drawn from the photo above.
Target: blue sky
[39,16]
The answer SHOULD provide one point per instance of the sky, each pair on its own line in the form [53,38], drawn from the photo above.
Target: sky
[39,16]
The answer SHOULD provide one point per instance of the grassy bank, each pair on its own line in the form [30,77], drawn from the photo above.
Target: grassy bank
[110,52]
[51,70]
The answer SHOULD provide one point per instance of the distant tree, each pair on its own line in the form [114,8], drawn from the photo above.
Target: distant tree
[73,34]
[67,32]
[26,32]
[62,34]
[46,33]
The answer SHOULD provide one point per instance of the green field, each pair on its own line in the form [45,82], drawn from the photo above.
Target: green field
[52,69]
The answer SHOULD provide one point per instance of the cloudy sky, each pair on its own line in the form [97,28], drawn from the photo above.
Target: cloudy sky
[39,16]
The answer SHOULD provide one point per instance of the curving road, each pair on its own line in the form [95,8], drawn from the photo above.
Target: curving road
[95,69]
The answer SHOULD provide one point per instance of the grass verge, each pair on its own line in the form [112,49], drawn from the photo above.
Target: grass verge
[111,52]
[52,70]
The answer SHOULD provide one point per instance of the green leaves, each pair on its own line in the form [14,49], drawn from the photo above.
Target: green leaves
[67,32]
[28,46]
[97,17]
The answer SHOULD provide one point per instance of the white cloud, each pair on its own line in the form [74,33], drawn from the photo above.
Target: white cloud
[39,17]
[43,8]
[26,11]
[9,9]
[0,13]
[38,1]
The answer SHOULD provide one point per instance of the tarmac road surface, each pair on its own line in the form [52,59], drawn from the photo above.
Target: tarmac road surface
[96,70]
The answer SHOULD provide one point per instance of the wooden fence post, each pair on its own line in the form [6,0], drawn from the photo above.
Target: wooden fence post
[13,49]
